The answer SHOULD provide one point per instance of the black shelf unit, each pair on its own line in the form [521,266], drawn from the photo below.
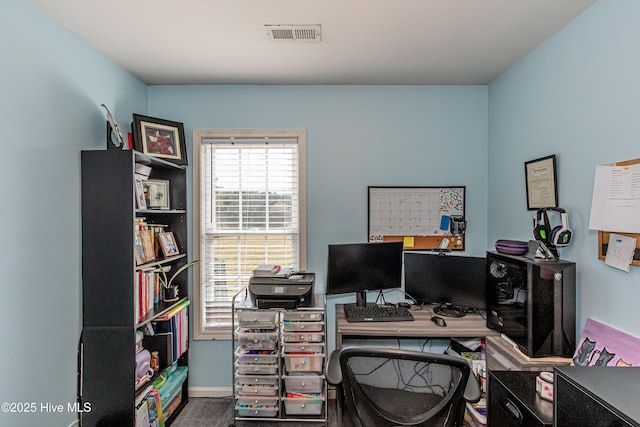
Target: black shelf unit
[108,279]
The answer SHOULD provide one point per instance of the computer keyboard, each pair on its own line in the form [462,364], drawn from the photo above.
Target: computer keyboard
[377,313]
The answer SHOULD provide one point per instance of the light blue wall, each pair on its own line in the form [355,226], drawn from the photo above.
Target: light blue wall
[52,85]
[577,96]
[356,136]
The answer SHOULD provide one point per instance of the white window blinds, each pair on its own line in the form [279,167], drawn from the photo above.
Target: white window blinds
[250,196]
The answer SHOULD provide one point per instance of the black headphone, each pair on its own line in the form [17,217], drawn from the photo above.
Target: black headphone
[559,236]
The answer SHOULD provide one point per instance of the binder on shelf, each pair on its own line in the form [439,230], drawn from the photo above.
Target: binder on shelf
[163,344]
[177,325]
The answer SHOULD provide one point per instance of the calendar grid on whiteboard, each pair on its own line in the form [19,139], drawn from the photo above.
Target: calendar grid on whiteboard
[412,211]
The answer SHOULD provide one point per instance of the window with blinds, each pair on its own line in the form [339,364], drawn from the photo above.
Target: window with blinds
[249,210]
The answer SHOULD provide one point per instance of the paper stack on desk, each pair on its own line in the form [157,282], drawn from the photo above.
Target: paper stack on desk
[620,251]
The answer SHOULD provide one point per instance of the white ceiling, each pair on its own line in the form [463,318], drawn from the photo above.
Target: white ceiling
[371,42]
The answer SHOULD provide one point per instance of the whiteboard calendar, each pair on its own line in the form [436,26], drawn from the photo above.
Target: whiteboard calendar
[419,216]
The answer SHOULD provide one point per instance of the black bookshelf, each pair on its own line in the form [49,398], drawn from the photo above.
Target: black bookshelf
[109,271]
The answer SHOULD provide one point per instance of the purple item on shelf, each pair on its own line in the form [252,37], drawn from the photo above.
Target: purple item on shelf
[512,247]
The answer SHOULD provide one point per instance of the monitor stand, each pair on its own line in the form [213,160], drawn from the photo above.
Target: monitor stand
[448,310]
[361,301]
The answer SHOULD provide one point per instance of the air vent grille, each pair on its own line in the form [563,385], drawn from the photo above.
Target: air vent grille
[307,33]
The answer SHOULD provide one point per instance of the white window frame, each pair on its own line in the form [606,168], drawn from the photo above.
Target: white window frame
[201,332]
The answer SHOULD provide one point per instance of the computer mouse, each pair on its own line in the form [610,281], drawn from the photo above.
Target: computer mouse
[438,321]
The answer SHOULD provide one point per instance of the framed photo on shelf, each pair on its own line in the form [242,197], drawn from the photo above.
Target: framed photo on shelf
[156,193]
[542,185]
[139,249]
[141,202]
[147,245]
[159,138]
[168,244]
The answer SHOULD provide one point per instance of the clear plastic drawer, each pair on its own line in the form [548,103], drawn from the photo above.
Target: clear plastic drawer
[257,412]
[303,348]
[256,379]
[303,316]
[257,406]
[304,362]
[310,383]
[303,406]
[249,340]
[257,319]
[303,326]
[255,368]
[257,390]
[256,356]
[303,337]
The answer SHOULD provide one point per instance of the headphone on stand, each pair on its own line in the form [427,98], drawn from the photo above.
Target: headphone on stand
[559,236]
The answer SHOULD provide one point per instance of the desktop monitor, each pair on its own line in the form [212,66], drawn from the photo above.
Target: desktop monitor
[456,283]
[362,267]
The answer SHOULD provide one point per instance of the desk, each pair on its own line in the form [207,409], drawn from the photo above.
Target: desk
[471,325]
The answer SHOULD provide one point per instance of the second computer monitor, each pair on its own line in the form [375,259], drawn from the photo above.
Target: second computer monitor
[456,283]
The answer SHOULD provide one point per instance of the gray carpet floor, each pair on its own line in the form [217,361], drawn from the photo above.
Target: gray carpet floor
[218,412]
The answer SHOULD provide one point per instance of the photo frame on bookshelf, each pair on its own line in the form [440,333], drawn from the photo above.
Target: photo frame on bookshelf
[168,244]
[138,248]
[141,202]
[156,193]
[160,138]
[147,245]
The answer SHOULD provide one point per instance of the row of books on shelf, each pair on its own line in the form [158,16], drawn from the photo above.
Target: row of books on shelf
[153,241]
[147,291]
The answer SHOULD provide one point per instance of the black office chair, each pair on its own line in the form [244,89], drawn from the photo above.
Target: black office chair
[388,387]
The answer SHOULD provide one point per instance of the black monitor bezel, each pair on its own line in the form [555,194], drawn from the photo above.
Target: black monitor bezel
[447,291]
[345,275]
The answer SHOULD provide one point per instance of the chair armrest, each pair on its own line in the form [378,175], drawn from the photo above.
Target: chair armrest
[472,392]
[333,371]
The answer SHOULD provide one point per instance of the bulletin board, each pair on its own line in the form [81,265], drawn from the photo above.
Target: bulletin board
[421,217]
[603,236]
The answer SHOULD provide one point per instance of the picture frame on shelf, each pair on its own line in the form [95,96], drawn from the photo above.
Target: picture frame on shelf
[141,202]
[138,248]
[159,138]
[156,194]
[147,245]
[541,182]
[168,244]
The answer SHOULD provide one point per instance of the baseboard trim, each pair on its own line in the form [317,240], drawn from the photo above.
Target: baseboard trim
[210,391]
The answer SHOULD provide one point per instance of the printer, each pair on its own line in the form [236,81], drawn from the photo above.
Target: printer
[290,292]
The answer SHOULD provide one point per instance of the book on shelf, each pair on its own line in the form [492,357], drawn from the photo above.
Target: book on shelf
[178,326]
[266,270]
[147,292]
[142,171]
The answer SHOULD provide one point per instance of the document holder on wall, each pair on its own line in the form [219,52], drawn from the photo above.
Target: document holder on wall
[603,236]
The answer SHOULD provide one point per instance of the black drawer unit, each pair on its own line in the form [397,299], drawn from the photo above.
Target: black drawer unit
[513,401]
[597,396]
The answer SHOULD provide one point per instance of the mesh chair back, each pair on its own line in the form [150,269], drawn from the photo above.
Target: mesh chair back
[388,387]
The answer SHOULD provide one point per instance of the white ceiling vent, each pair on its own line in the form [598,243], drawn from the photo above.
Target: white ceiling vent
[308,33]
